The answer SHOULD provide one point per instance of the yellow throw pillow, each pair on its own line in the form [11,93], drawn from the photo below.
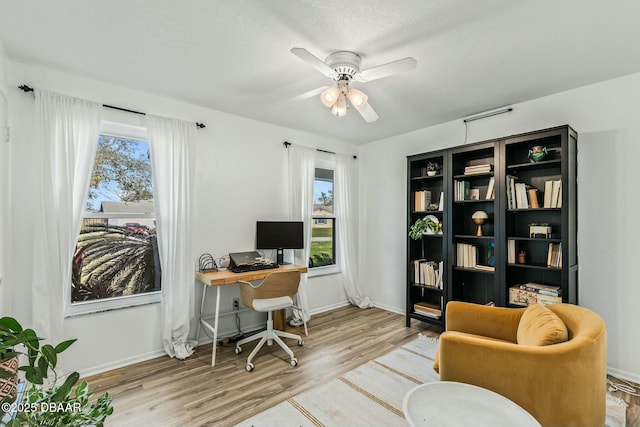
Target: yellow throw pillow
[541,326]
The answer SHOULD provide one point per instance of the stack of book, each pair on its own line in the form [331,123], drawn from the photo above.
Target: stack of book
[553,194]
[529,293]
[428,309]
[477,169]
[554,255]
[422,199]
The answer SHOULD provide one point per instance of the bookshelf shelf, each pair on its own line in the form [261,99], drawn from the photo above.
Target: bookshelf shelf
[506,233]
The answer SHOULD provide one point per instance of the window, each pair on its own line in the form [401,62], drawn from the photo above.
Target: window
[323,230]
[116,262]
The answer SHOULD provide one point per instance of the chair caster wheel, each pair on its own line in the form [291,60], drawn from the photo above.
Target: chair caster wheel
[238,350]
[249,367]
[301,343]
[294,362]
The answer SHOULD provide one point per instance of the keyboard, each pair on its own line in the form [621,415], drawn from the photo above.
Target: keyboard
[252,267]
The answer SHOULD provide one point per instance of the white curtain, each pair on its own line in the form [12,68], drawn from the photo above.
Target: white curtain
[171,145]
[345,182]
[67,140]
[301,176]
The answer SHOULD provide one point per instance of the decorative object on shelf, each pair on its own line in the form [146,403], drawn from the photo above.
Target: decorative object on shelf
[491,259]
[433,207]
[432,168]
[537,153]
[479,218]
[542,230]
[427,225]
[522,257]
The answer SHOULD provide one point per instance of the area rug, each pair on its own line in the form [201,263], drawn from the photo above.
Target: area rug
[372,394]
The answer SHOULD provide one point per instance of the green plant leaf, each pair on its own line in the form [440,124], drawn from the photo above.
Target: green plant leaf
[49,353]
[64,345]
[65,389]
[10,324]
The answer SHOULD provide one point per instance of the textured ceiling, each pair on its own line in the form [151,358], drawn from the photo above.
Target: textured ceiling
[233,56]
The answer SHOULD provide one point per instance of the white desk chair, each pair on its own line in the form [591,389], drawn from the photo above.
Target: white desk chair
[275,292]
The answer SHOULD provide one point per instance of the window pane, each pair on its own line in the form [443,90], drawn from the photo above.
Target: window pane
[117,251]
[323,192]
[322,242]
[322,250]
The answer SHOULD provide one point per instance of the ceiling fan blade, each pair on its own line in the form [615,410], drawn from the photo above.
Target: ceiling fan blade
[310,94]
[384,70]
[368,113]
[314,62]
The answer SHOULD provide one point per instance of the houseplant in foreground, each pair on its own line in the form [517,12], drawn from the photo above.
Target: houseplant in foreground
[40,405]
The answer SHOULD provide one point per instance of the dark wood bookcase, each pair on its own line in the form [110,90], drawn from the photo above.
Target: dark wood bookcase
[488,271]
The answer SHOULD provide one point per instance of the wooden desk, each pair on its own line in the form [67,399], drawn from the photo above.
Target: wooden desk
[217,279]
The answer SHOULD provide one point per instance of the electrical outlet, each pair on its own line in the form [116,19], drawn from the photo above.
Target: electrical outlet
[236,304]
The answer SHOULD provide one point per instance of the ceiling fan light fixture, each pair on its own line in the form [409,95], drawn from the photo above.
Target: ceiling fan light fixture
[330,96]
[357,98]
[340,107]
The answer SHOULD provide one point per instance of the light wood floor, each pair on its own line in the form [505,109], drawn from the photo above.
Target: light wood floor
[169,392]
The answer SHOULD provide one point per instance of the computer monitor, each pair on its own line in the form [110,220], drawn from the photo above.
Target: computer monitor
[279,235]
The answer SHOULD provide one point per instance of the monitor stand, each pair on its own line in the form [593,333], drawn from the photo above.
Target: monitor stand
[280,257]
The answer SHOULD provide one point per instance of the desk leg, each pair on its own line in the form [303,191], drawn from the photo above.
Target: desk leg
[213,329]
[204,294]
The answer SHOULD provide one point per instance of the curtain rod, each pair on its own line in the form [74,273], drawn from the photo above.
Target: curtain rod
[287,144]
[26,89]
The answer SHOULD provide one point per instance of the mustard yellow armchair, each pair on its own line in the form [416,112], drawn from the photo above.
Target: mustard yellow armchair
[561,384]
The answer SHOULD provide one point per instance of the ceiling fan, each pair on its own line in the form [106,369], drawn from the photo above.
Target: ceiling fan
[344,67]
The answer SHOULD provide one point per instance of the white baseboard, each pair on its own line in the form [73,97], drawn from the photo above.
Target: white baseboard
[94,370]
[629,376]
[329,307]
[388,308]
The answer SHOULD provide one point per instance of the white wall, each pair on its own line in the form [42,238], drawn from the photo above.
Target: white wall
[605,115]
[4,168]
[241,177]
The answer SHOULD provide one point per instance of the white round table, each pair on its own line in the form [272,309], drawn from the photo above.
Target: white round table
[447,403]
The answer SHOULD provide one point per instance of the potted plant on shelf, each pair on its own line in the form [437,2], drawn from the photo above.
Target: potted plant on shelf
[40,405]
[432,168]
[427,225]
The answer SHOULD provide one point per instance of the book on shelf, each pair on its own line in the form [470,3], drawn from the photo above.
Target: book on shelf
[428,273]
[554,255]
[441,202]
[553,194]
[428,309]
[461,190]
[490,189]
[478,169]
[484,267]
[422,199]
[532,195]
[511,191]
[511,251]
[466,255]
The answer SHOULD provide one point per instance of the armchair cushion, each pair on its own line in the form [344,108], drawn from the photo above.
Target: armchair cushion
[541,326]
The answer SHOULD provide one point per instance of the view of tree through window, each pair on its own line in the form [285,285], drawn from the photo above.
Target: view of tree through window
[117,251]
[323,246]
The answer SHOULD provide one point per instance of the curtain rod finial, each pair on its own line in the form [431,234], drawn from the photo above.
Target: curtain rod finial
[286,144]
[25,88]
